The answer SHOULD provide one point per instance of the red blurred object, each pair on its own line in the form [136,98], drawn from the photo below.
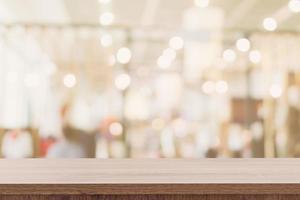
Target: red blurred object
[45,144]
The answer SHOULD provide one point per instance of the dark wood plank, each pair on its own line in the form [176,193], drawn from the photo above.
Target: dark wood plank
[151,197]
[106,189]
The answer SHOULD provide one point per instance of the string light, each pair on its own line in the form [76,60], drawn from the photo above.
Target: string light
[176,43]
[122,81]
[275,91]
[106,40]
[255,56]
[69,80]
[208,87]
[270,24]
[229,55]
[243,45]
[106,18]
[124,55]
[116,129]
[294,6]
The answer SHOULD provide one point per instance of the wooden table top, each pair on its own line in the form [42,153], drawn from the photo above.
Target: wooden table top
[97,176]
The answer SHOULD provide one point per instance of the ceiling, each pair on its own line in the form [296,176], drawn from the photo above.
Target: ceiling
[85,55]
[239,14]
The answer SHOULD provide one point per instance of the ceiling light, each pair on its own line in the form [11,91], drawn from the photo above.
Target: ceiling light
[106,18]
[255,56]
[122,81]
[270,24]
[243,45]
[294,6]
[176,43]
[229,55]
[208,87]
[124,55]
[116,129]
[69,80]
[276,91]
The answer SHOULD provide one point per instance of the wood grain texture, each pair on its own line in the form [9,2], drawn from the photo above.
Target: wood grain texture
[139,189]
[143,171]
[152,197]
[155,177]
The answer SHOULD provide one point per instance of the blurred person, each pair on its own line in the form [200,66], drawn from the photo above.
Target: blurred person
[66,148]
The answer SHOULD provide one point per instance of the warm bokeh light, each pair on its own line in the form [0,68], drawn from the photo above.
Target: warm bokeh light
[176,43]
[255,56]
[123,55]
[116,129]
[106,18]
[69,80]
[270,24]
[122,81]
[276,91]
[294,6]
[229,55]
[243,45]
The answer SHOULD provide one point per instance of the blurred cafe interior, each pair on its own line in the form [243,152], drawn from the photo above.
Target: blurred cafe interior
[149,78]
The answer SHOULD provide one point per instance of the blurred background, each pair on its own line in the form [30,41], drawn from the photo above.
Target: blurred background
[149,78]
